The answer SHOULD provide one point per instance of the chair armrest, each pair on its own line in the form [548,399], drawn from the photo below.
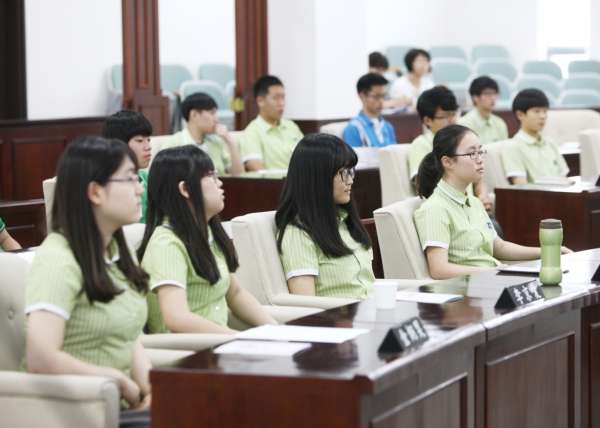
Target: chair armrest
[58,400]
[164,357]
[183,341]
[310,301]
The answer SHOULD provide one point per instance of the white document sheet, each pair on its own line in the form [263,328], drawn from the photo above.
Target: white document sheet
[272,171]
[409,296]
[27,256]
[256,347]
[294,333]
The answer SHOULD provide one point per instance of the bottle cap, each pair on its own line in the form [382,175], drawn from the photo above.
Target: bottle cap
[550,224]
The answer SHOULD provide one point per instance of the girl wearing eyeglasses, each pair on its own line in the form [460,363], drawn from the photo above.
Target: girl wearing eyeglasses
[186,251]
[85,293]
[454,229]
[323,246]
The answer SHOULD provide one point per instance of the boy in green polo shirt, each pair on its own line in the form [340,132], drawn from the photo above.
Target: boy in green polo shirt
[269,140]
[7,242]
[203,129]
[489,127]
[529,155]
[437,108]
[134,129]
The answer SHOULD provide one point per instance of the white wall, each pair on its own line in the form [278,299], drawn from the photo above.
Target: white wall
[511,23]
[318,56]
[69,46]
[192,32]
[595,37]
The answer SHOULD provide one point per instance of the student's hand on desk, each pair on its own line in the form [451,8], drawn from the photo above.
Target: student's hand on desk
[222,131]
[565,250]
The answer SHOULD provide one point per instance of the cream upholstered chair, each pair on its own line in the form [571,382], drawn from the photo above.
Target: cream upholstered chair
[563,126]
[260,271]
[335,128]
[48,187]
[393,170]
[401,251]
[590,152]
[235,137]
[494,175]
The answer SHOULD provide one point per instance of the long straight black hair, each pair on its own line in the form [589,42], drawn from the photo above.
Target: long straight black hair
[188,220]
[307,199]
[431,169]
[86,160]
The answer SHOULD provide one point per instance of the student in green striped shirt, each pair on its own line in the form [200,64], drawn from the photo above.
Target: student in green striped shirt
[7,242]
[455,231]
[134,129]
[84,292]
[323,246]
[186,251]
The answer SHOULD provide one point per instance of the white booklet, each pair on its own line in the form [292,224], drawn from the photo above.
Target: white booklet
[529,270]
[256,347]
[554,181]
[410,296]
[295,333]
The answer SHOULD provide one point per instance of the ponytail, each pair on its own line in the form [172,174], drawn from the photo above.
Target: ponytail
[431,170]
[430,173]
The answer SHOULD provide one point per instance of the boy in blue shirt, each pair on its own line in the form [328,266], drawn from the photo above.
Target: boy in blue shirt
[369,129]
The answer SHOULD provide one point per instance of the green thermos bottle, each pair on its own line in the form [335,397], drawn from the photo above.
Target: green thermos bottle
[551,236]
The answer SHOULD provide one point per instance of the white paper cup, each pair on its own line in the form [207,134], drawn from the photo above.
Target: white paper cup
[385,294]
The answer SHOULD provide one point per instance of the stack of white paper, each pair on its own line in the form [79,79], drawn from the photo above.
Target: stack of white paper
[439,298]
[294,333]
[255,347]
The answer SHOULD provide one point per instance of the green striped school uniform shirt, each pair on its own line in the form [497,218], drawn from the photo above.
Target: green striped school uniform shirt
[144,180]
[525,156]
[167,261]
[349,276]
[2,229]
[458,223]
[488,130]
[102,334]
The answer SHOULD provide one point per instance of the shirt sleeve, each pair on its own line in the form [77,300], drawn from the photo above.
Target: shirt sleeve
[165,260]
[352,136]
[433,226]
[250,145]
[53,282]
[512,161]
[298,254]
[415,155]
[2,226]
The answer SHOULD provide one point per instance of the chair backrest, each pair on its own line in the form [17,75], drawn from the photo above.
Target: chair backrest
[496,66]
[334,128]
[115,78]
[579,98]
[217,72]
[590,152]
[543,67]
[48,187]
[488,51]
[447,51]
[401,252]
[213,89]
[494,175]
[255,240]
[134,233]
[450,70]
[583,81]
[504,85]
[12,310]
[564,126]
[172,76]
[395,56]
[543,82]
[394,173]
[589,66]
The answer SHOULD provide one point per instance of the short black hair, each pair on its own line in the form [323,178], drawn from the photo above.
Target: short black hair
[366,82]
[262,85]
[199,101]
[529,98]
[481,83]
[126,124]
[430,100]
[412,54]
[377,60]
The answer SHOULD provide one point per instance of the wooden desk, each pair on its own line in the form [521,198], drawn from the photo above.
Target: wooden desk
[529,367]
[519,210]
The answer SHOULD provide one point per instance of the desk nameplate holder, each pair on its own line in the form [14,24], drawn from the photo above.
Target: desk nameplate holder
[596,276]
[518,295]
[403,336]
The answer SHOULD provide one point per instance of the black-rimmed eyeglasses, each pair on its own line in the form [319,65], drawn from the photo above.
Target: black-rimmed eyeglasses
[474,155]
[345,173]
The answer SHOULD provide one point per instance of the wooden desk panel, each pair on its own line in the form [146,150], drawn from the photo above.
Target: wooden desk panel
[25,221]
